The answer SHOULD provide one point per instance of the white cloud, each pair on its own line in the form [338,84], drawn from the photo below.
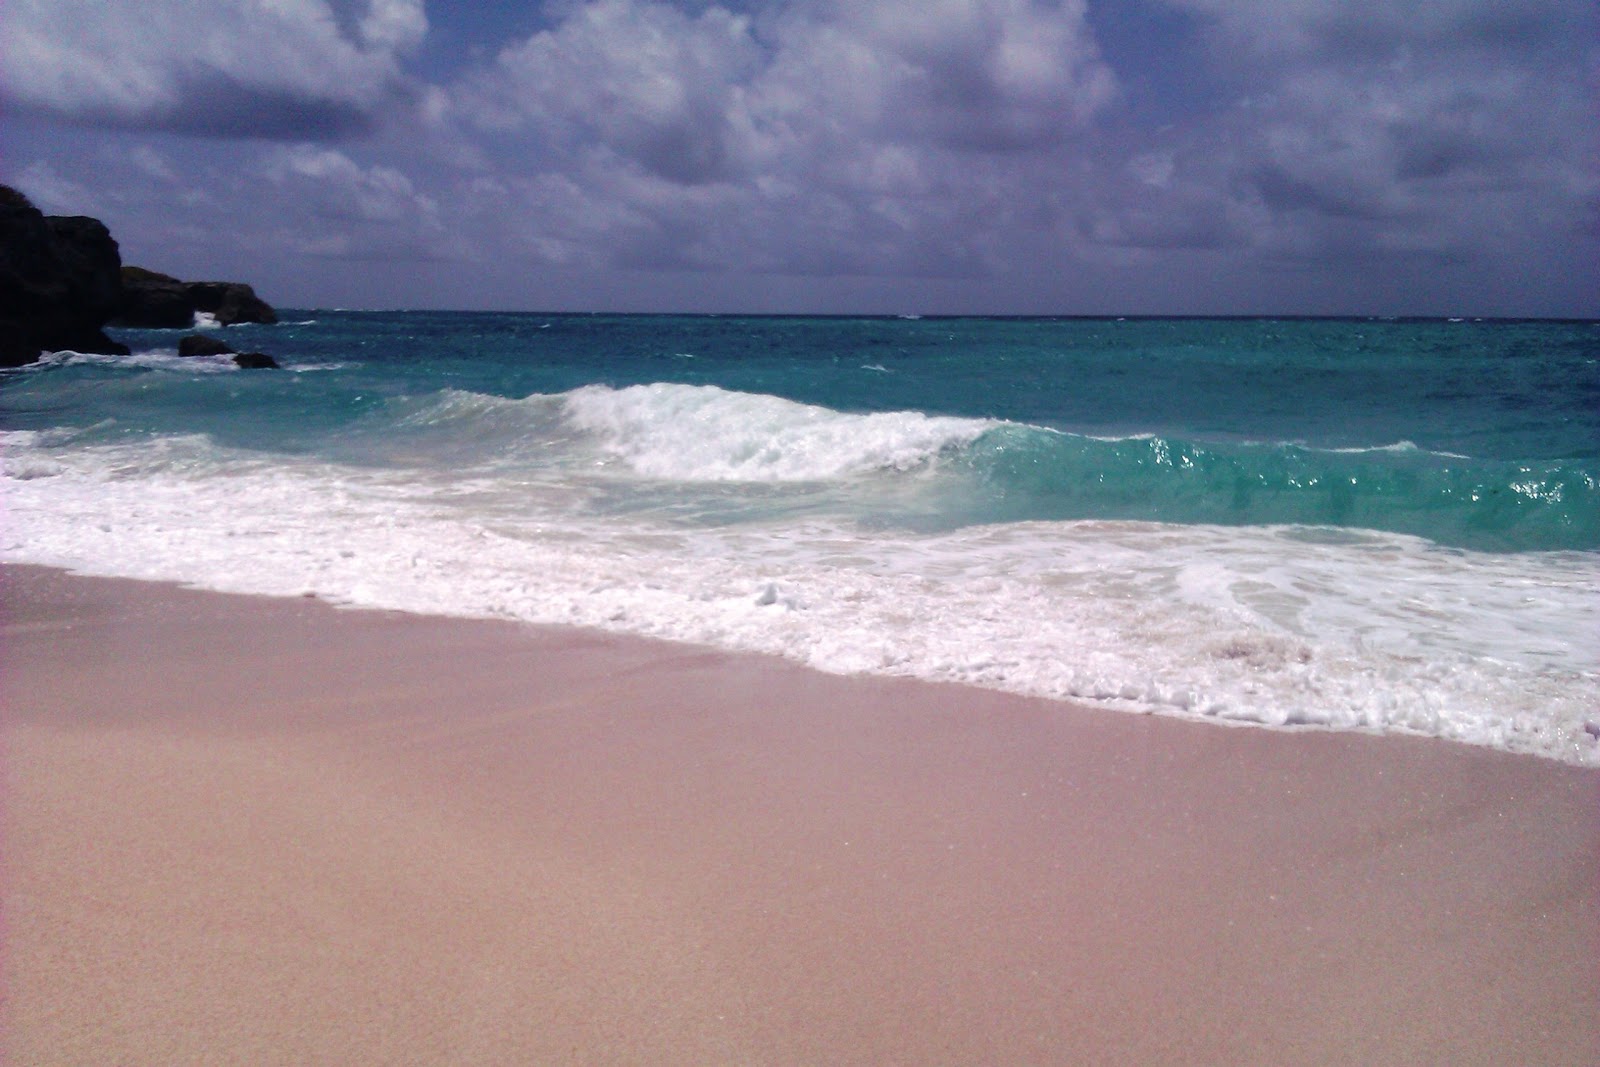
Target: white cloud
[152,163]
[285,69]
[394,25]
[644,80]
[56,194]
[947,139]
[988,74]
[819,135]
[340,188]
[1434,130]
[701,97]
[964,137]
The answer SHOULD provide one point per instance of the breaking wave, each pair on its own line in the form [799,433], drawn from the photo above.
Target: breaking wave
[994,471]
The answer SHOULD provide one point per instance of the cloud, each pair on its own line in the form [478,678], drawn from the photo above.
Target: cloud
[642,80]
[810,137]
[57,194]
[963,138]
[320,202]
[1446,130]
[979,74]
[293,69]
[962,143]
[1340,31]
[700,97]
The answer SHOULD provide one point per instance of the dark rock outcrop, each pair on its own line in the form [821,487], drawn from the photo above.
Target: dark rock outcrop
[62,280]
[160,301]
[198,345]
[255,361]
[59,282]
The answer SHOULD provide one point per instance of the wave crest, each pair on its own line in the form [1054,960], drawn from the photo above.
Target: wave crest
[703,433]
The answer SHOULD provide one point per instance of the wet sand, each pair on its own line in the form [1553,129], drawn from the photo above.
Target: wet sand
[268,831]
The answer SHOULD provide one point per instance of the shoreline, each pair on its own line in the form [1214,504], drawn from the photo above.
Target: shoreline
[273,830]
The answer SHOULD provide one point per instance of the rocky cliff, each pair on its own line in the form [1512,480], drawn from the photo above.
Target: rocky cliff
[160,301]
[60,282]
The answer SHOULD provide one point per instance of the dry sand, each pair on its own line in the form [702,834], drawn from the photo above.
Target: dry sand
[242,830]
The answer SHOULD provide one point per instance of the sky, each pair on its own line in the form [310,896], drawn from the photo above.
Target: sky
[1428,157]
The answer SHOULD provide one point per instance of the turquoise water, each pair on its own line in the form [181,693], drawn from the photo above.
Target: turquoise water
[1258,520]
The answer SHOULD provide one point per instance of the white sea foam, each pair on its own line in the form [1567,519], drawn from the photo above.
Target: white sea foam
[1396,447]
[164,359]
[703,433]
[1278,626]
[149,359]
[205,320]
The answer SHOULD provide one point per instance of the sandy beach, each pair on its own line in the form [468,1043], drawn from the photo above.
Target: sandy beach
[260,831]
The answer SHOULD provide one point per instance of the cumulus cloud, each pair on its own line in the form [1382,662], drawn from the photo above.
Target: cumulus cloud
[813,136]
[982,74]
[643,80]
[897,139]
[341,188]
[290,69]
[1438,130]
[945,137]
[330,206]
[697,97]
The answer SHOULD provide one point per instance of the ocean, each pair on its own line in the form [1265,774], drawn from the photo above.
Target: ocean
[1377,525]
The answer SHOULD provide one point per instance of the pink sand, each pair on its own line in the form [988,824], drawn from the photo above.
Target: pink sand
[267,831]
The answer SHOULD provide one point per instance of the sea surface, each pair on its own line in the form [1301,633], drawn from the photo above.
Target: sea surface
[1376,525]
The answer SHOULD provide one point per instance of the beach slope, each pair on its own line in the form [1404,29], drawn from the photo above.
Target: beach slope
[270,831]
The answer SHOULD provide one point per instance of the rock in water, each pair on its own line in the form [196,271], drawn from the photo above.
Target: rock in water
[59,282]
[160,301]
[199,345]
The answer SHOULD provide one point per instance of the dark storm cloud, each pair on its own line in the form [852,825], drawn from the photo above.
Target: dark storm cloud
[210,103]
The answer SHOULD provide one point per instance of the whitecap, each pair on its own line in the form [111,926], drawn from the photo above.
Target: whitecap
[1230,625]
[704,433]
[164,359]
